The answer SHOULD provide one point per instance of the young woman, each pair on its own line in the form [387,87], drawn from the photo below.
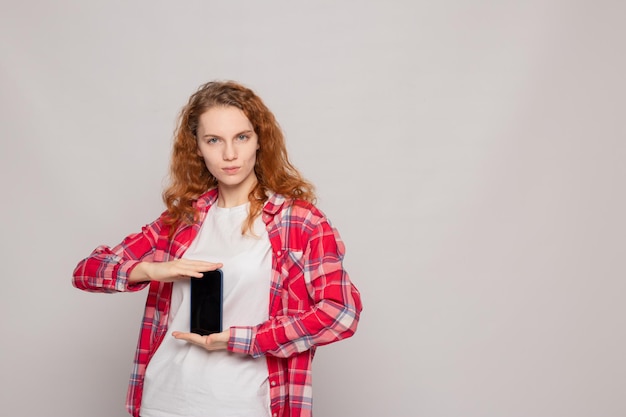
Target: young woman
[235,203]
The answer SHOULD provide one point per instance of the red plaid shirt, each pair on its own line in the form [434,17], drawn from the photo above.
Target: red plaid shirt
[312,301]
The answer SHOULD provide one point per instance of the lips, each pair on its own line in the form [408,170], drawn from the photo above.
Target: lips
[230,170]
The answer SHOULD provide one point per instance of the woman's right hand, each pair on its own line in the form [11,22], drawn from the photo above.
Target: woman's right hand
[170,271]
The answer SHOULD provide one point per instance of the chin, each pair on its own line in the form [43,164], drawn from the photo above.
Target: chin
[230,182]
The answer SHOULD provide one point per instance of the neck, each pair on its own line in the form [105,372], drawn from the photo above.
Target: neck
[225,201]
[233,196]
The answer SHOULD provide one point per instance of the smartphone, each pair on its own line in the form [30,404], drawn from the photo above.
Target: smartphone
[206,303]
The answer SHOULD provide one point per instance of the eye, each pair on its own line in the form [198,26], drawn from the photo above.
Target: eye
[211,140]
[242,137]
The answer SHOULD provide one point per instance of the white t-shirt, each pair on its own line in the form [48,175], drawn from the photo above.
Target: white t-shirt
[186,380]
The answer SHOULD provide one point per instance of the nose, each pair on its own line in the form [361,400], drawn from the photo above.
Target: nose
[230,153]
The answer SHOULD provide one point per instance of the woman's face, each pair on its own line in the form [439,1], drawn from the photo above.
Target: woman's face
[228,144]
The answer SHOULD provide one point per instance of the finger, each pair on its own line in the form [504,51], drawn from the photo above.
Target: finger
[196,271]
[201,266]
[192,273]
[209,266]
[199,263]
[194,338]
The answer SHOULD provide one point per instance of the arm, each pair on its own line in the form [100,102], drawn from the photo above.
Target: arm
[335,303]
[129,267]
[108,269]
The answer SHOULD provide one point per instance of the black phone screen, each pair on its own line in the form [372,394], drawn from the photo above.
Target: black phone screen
[206,303]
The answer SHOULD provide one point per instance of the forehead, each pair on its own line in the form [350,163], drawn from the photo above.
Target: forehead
[223,119]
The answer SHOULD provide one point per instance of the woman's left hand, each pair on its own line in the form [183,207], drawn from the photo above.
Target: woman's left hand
[212,342]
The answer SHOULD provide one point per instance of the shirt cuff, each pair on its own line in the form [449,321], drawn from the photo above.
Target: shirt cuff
[121,283]
[241,340]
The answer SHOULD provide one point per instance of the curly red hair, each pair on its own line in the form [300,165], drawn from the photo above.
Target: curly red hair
[189,176]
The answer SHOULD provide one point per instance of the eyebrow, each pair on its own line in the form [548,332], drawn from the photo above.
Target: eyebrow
[209,135]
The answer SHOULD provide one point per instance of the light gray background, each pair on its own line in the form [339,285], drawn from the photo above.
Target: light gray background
[470,152]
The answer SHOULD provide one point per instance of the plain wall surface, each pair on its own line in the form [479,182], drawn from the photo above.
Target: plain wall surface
[471,154]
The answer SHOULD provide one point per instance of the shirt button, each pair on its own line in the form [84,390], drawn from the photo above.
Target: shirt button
[273,383]
[279,253]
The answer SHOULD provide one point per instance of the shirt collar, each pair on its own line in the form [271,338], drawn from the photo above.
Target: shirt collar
[207,199]
[272,205]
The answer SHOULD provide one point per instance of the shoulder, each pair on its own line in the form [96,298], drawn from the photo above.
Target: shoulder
[302,224]
[303,219]
[294,210]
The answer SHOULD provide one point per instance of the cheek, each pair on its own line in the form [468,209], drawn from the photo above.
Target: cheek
[207,158]
[252,161]
[252,154]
